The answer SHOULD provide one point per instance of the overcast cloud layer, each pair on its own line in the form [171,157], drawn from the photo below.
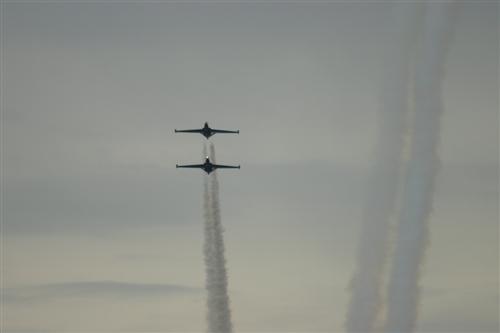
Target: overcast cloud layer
[91,95]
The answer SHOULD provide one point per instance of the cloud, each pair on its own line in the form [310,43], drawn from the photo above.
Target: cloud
[93,289]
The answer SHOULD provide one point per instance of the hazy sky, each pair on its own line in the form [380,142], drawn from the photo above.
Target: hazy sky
[102,233]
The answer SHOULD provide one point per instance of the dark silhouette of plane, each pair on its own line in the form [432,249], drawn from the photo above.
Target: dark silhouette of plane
[206,131]
[208,166]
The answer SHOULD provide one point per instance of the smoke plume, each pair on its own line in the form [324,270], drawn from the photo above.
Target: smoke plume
[219,313]
[367,281]
[416,203]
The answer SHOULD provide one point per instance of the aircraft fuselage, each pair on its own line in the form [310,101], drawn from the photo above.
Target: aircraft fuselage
[206,131]
[208,167]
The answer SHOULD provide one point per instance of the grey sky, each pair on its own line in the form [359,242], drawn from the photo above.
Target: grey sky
[92,93]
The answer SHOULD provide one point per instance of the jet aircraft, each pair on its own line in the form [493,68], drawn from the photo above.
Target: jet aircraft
[206,131]
[208,166]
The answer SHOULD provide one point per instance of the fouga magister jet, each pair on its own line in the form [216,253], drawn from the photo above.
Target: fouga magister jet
[208,166]
[206,131]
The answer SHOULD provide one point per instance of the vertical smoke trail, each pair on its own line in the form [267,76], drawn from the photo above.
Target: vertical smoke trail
[221,283]
[366,284]
[208,251]
[413,233]
[219,313]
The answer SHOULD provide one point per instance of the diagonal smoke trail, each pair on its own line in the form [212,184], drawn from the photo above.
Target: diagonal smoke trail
[366,284]
[416,204]
[219,312]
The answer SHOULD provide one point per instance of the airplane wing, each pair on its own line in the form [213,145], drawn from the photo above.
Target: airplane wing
[189,166]
[220,166]
[224,131]
[198,130]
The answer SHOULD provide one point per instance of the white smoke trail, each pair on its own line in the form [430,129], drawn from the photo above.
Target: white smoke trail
[219,312]
[416,204]
[210,276]
[367,281]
